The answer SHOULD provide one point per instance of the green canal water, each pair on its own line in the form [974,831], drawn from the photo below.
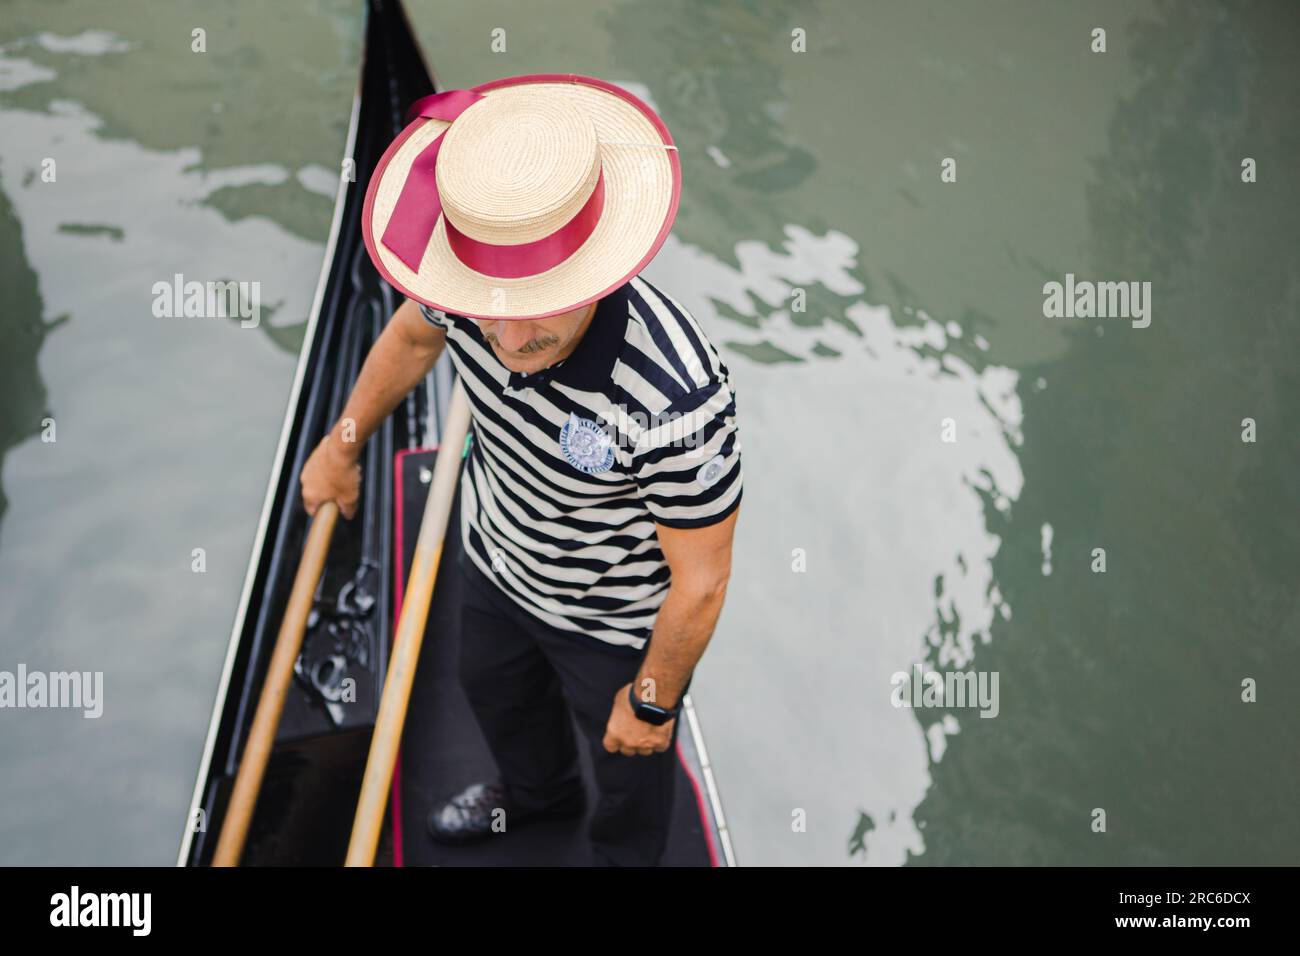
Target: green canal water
[932,464]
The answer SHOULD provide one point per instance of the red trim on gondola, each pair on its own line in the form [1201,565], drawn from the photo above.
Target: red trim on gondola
[399,580]
[399,584]
[701,805]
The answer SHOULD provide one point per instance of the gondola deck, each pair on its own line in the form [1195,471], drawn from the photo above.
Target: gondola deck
[305,809]
[444,751]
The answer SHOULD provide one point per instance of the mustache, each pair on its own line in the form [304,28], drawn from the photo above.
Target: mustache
[539,344]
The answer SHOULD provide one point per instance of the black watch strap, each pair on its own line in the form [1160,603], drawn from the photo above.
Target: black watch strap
[653,713]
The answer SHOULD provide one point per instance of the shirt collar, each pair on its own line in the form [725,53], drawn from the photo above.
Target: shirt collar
[590,364]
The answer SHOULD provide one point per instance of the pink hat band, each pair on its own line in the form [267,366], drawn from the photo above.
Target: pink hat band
[522,198]
[419,206]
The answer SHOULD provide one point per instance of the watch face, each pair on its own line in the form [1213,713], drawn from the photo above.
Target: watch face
[652,714]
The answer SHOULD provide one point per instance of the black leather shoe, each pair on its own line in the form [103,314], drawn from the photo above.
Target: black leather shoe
[468,816]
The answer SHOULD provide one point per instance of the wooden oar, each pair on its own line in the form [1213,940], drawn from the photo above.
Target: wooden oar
[261,736]
[410,634]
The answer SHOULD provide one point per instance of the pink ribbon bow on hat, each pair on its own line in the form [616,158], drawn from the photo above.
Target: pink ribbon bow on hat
[418,207]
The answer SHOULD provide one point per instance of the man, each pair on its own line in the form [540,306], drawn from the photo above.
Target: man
[602,488]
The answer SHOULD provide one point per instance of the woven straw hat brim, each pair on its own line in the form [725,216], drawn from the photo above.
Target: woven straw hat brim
[642,184]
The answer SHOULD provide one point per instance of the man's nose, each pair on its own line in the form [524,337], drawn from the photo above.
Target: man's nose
[513,335]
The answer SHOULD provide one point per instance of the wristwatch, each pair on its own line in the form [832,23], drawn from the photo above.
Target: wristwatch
[653,713]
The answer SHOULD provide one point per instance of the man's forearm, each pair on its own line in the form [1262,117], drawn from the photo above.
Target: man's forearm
[682,631]
[392,368]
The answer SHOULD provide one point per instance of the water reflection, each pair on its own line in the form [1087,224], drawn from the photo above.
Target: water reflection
[1131,680]
[164,433]
[1120,690]
[844,465]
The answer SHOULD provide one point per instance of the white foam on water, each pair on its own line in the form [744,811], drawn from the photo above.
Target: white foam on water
[842,458]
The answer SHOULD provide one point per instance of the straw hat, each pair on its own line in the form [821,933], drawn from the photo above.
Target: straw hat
[522,198]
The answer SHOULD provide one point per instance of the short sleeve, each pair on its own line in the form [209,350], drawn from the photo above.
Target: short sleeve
[435,317]
[687,461]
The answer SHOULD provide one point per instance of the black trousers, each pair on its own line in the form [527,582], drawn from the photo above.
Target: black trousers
[523,678]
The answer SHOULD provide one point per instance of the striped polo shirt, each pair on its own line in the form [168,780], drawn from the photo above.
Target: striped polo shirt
[571,467]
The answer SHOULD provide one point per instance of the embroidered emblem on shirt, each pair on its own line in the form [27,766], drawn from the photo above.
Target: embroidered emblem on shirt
[711,471]
[586,445]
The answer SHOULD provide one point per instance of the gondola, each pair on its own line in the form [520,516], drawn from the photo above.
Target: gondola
[305,807]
